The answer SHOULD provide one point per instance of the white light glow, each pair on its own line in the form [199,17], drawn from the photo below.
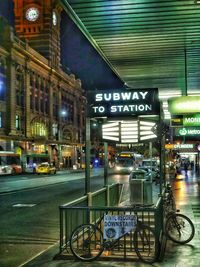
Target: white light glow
[112,133]
[129,130]
[129,136]
[188,153]
[108,125]
[146,132]
[145,128]
[168,95]
[148,137]
[147,123]
[110,138]
[111,129]
[167,117]
[129,140]
[129,124]
[165,104]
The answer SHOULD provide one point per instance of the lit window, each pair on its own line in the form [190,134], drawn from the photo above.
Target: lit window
[17,122]
[1,120]
[39,129]
[2,89]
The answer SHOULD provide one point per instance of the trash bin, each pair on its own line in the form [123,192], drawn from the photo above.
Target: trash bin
[138,174]
[140,188]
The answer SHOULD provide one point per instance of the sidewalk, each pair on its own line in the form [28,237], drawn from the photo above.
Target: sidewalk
[187,192]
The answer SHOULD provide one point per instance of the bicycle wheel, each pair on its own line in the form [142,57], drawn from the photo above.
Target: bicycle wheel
[179,228]
[146,244]
[86,242]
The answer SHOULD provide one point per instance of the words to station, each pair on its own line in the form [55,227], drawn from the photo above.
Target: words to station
[122,97]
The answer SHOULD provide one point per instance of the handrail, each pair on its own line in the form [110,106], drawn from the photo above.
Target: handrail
[108,208]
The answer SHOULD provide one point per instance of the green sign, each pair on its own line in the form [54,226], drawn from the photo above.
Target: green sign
[187,131]
[192,120]
[184,105]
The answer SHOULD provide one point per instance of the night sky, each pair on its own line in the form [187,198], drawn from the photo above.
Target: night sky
[77,54]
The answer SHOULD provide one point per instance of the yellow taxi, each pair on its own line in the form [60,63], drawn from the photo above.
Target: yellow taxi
[83,166]
[45,168]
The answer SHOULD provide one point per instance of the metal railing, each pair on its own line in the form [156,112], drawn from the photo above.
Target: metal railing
[70,218]
[73,214]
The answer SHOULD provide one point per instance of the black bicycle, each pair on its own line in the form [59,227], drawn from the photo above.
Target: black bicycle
[178,227]
[87,242]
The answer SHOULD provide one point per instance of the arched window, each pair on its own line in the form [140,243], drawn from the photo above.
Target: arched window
[39,127]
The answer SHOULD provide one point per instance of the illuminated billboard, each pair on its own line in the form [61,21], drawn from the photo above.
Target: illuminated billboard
[184,105]
[187,131]
[192,120]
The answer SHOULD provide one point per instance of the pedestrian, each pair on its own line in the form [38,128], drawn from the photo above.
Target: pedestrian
[185,167]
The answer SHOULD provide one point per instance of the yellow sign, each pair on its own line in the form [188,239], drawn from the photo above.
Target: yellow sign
[169,146]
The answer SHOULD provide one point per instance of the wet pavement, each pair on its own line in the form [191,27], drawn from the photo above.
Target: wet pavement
[187,193]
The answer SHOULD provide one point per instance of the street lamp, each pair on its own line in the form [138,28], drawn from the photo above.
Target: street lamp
[61,119]
[63,113]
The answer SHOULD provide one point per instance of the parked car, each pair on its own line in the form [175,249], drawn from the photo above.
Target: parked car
[46,168]
[152,174]
[83,166]
[16,169]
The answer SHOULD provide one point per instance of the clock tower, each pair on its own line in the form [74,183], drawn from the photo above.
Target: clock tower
[38,21]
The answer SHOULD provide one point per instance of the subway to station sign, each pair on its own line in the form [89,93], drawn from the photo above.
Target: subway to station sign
[122,103]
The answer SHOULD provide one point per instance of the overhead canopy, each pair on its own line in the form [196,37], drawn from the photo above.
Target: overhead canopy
[147,43]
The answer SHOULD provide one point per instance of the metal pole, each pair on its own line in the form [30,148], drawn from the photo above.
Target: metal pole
[161,150]
[87,156]
[150,155]
[105,163]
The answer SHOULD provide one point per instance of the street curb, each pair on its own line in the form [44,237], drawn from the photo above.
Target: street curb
[46,257]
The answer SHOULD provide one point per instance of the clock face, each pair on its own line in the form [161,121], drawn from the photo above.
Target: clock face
[32,14]
[54,18]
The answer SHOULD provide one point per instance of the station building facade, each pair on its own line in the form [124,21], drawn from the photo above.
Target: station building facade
[42,108]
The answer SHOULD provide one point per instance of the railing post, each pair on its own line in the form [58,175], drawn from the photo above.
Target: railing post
[89,199]
[61,229]
[89,196]
[107,195]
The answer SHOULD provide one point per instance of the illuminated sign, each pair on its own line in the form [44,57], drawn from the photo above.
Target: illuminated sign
[122,103]
[177,120]
[184,105]
[192,120]
[183,146]
[128,131]
[179,146]
[126,155]
[169,146]
[187,131]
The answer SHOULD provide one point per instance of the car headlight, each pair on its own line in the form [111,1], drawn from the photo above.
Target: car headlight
[118,168]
